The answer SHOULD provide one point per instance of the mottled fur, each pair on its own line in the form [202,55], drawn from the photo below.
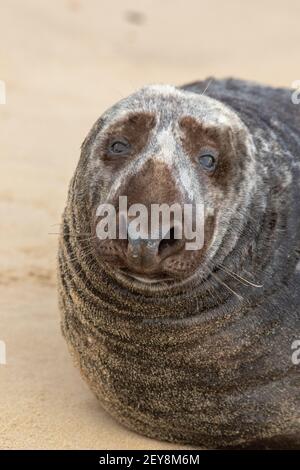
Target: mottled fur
[206,361]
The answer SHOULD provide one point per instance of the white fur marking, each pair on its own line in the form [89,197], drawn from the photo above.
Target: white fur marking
[167,144]
[186,181]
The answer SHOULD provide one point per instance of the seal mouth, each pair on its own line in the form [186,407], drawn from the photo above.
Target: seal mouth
[147,279]
[153,284]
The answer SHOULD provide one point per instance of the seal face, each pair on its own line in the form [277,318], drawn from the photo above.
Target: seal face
[166,146]
[186,345]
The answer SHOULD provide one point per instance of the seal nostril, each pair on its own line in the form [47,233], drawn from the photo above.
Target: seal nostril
[168,242]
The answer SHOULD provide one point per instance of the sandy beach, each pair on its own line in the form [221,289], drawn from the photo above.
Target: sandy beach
[63,64]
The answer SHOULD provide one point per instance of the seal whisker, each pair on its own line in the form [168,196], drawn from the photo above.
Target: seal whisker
[238,277]
[240,297]
[207,87]
[80,235]
[85,252]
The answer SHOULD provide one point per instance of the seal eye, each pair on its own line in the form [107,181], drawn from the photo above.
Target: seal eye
[119,147]
[208,162]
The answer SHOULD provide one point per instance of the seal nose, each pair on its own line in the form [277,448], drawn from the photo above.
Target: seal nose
[146,254]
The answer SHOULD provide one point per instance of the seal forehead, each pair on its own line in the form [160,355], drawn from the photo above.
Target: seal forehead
[169,104]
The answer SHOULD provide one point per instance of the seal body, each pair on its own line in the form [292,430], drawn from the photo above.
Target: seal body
[206,359]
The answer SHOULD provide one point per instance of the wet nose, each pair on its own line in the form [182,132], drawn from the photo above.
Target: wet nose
[146,254]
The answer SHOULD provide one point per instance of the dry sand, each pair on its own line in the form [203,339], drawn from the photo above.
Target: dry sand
[64,62]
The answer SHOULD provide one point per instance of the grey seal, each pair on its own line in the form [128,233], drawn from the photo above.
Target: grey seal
[191,346]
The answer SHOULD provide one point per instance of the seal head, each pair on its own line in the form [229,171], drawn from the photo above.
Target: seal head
[164,146]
